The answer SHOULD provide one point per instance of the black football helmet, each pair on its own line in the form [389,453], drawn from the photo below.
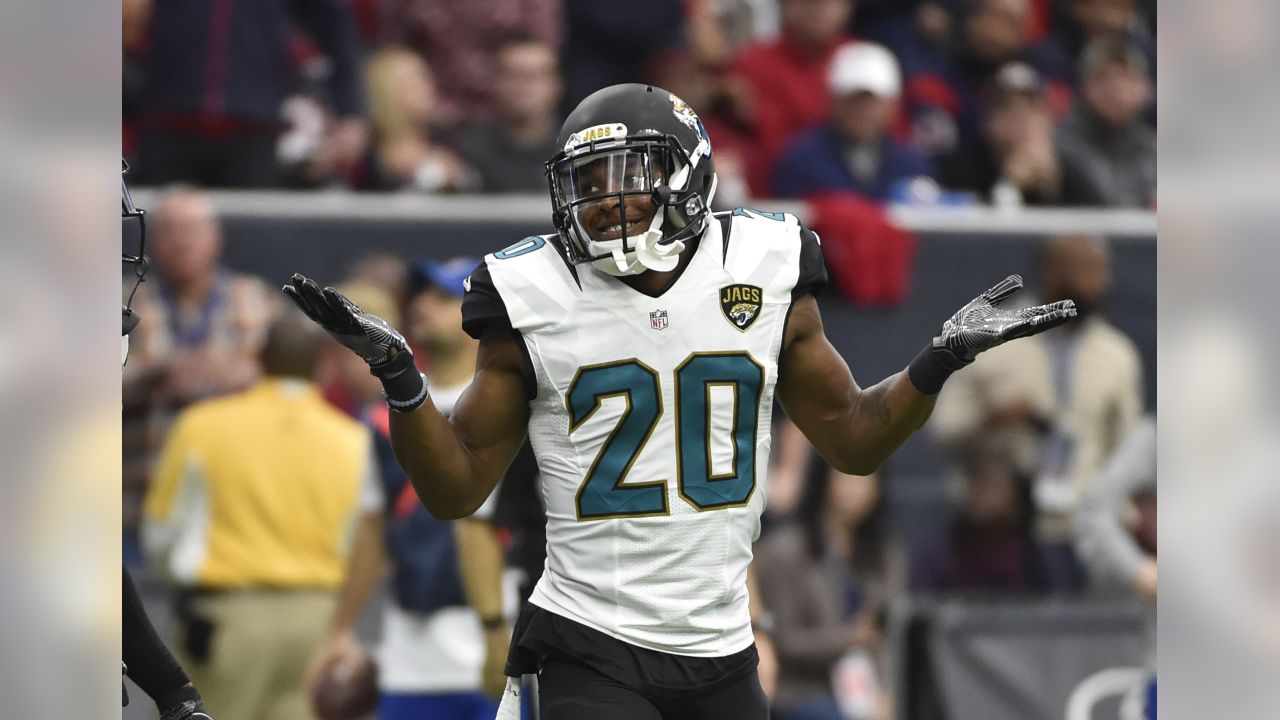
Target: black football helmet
[629,140]
[135,256]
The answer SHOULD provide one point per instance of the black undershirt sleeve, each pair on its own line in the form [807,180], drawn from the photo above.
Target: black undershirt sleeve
[482,306]
[813,272]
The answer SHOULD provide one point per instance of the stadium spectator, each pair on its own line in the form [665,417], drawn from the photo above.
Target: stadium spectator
[1060,403]
[944,90]
[387,272]
[608,43]
[444,638]
[403,108]
[456,39]
[1105,135]
[214,79]
[854,150]
[787,78]
[1115,523]
[1016,162]
[204,322]
[827,578]
[1080,22]
[990,547]
[509,151]
[223,520]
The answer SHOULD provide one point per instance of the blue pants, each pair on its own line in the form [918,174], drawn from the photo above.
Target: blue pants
[444,706]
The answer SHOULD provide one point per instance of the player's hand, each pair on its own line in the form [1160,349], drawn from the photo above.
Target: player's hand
[367,335]
[767,670]
[981,325]
[339,650]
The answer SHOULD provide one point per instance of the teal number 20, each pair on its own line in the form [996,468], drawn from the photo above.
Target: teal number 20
[603,494]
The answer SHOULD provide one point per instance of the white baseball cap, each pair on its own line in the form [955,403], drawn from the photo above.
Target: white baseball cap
[864,67]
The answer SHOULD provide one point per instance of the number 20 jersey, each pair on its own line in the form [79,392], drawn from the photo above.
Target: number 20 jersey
[650,421]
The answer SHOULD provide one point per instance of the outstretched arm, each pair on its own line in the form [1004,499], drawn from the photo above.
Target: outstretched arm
[857,429]
[455,462]
[854,429]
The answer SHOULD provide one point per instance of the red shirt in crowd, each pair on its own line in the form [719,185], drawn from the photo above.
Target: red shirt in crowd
[789,88]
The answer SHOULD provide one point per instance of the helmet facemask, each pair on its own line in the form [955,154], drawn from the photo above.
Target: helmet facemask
[603,193]
[134,255]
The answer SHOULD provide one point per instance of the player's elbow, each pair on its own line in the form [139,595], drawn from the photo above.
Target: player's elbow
[450,508]
[859,464]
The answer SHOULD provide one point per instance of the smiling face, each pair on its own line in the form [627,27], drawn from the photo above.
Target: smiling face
[615,215]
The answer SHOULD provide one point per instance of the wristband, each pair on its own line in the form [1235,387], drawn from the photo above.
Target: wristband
[403,385]
[928,371]
[492,623]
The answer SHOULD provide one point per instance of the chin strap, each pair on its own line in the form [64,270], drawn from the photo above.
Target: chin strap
[648,252]
[656,256]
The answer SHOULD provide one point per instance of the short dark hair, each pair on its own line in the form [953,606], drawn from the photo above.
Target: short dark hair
[1111,50]
[291,347]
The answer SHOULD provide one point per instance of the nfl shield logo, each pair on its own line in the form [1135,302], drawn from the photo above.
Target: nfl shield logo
[658,319]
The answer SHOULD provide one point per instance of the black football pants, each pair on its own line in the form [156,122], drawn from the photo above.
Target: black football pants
[572,691]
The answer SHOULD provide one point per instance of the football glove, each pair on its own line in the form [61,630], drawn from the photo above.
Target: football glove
[369,336]
[979,326]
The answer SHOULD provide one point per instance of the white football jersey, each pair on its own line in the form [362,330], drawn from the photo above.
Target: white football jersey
[651,426]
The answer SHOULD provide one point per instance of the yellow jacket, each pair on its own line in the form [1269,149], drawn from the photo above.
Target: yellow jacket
[257,489]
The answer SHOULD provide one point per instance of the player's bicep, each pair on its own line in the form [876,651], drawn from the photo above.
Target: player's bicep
[492,416]
[815,387]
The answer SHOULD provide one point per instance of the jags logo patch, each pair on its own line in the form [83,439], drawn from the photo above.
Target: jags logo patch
[684,113]
[741,304]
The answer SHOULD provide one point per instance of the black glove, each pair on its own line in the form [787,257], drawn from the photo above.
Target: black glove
[980,326]
[369,336]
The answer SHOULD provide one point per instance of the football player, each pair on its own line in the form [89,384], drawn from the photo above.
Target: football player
[146,659]
[640,346]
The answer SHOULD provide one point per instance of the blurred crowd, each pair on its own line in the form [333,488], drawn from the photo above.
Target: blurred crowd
[260,485]
[1007,102]
[259,479]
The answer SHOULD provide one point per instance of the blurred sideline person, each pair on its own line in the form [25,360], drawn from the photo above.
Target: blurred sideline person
[827,577]
[989,547]
[854,150]
[639,348]
[1059,403]
[146,659]
[443,634]
[250,515]
[1116,529]
[507,152]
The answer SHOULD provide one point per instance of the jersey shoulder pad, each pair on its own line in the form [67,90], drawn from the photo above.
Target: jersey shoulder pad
[533,281]
[774,251]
